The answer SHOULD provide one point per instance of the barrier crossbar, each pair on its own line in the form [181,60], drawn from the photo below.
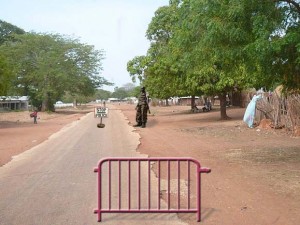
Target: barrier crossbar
[109,168]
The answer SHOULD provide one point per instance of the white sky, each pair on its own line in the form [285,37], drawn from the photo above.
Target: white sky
[116,26]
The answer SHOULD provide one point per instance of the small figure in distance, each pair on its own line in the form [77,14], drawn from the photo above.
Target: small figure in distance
[207,107]
[34,115]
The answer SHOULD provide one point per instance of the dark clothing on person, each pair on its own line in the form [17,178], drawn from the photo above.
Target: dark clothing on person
[141,115]
[138,116]
[141,109]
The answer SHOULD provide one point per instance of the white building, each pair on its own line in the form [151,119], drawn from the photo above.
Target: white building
[14,103]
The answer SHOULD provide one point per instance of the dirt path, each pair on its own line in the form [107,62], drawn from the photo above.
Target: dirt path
[18,133]
[255,175]
[255,172]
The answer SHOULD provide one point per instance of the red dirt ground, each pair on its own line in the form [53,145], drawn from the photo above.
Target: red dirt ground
[255,177]
[18,133]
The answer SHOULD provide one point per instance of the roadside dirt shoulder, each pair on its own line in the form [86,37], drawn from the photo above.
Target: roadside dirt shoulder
[255,175]
[255,172]
[18,133]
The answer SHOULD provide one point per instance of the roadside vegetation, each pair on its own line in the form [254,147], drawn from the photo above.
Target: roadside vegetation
[209,48]
[197,48]
[47,67]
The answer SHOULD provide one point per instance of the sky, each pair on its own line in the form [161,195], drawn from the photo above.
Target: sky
[116,26]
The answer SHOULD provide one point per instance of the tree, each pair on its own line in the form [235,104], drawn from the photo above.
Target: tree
[120,93]
[136,91]
[165,68]
[216,47]
[7,31]
[285,45]
[213,40]
[48,65]
[163,76]
[136,68]
[102,94]
[5,76]
[290,5]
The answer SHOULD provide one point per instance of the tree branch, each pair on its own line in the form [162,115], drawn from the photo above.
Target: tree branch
[291,2]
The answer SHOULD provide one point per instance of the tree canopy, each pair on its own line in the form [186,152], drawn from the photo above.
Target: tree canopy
[215,47]
[7,32]
[46,66]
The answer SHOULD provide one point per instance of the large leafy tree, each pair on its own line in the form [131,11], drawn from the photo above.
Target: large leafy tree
[102,94]
[7,31]
[214,35]
[137,68]
[215,39]
[155,70]
[215,47]
[120,93]
[286,46]
[5,76]
[48,65]
[161,79]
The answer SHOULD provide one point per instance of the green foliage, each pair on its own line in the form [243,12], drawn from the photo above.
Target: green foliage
[46,66]
[7,31]
[120,93]
[214,47]
[136,67]
[5,77]
[163,74]
[136,91]
[102,94]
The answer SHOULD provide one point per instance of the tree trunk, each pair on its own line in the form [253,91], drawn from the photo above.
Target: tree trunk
[47,104]
[223,106]
[205,100]
[44,103]
[193,102]
[167,102]
[75,103]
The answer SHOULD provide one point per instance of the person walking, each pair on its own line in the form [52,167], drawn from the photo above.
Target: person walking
[34,115]
[141,109]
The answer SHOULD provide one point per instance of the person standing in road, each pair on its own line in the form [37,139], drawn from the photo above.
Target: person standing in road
[141,109]
[34,115]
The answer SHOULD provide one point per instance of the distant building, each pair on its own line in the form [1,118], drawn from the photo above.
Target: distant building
[132,100]
[113,100]
[14,103]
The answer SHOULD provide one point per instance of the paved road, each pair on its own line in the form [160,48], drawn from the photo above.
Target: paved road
[54,183]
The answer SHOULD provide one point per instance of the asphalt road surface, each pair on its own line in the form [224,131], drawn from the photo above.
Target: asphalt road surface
[54,183]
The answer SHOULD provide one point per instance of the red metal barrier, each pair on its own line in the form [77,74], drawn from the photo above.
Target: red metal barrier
[114,170]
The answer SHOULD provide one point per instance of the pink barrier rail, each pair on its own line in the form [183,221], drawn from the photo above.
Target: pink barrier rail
[115,168]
